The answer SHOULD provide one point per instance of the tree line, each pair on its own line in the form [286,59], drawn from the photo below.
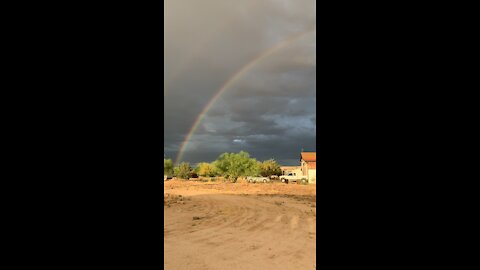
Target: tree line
[228,165]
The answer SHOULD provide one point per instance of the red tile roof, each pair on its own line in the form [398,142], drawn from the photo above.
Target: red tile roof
[309,156]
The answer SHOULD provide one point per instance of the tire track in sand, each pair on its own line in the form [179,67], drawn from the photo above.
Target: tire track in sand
[240,232]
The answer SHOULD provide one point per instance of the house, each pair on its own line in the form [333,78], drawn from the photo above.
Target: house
[308,166]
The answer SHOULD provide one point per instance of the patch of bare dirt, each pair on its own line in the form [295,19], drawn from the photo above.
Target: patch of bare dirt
[239,226]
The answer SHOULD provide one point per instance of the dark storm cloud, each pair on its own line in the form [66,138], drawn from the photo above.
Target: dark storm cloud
[270,110]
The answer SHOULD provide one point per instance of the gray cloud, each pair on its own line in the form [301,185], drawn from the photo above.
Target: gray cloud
[270,110]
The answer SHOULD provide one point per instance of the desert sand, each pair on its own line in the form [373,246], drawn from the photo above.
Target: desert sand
[228,226]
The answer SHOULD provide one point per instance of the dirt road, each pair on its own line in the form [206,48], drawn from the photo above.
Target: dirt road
[239,226]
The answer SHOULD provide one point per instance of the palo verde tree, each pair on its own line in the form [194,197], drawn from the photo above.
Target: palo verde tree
[231,165]
[254,169]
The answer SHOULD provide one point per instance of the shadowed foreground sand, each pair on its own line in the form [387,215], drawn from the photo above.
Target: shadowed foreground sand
[239,226]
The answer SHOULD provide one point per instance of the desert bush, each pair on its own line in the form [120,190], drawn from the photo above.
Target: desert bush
[183,170]
[270,167]
[206,169]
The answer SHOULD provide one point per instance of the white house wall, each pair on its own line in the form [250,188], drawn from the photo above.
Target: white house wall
[312,176]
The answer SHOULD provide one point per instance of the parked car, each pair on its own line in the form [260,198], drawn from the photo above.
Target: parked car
[274,177]
[292,177]
[252,179]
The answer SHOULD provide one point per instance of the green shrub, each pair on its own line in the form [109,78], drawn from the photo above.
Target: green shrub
[182,171]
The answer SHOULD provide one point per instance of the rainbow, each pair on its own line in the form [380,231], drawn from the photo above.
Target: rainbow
[264,54]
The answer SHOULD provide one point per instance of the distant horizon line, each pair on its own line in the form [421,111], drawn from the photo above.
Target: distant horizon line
[196,164]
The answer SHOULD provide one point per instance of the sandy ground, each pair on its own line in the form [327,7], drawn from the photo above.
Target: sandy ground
[239,226]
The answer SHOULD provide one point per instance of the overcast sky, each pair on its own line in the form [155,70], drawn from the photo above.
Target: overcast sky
[269,109]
